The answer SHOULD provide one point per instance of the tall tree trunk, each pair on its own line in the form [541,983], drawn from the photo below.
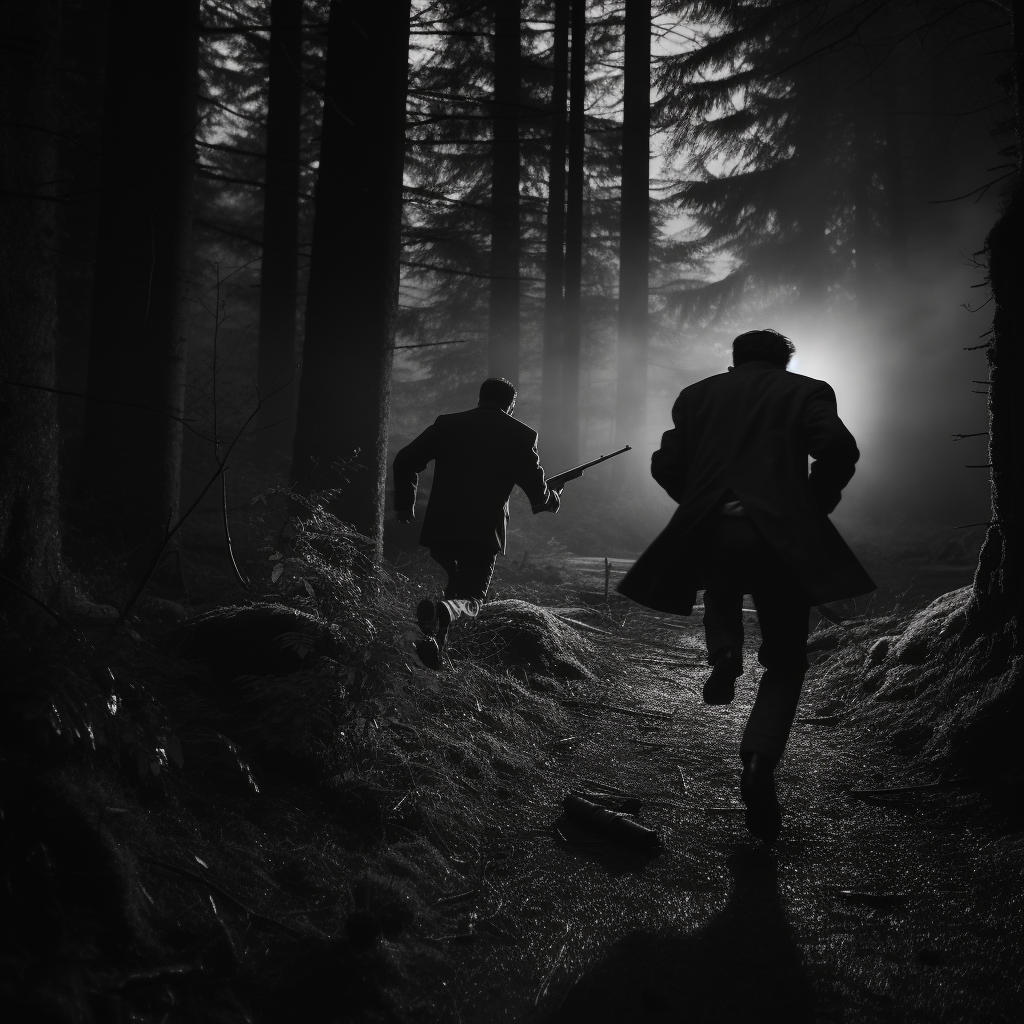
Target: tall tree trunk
[635,238]
[138,342]
[29,522]
[984,688]
[999,583]
[84,32]
[574,235]
[554,256]
[503,325]
[279,276]
[352,305]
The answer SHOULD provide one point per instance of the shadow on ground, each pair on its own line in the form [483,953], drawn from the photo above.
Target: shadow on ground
[744,965]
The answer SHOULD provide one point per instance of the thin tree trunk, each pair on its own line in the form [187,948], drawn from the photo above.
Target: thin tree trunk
[554,257]
[280,268]
[894,187]
[864,158]
[140,316]
[503,324]
[30,548]
[574,236]
[811,204]
[634,243]
[352,305]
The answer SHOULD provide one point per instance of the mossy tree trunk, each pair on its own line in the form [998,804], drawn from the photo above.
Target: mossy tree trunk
[30,549]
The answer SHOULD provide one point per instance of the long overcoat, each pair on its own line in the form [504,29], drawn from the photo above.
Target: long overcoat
[748,434]
[479,456]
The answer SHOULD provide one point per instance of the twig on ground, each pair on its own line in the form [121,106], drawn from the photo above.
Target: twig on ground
[223,893]
[584,625]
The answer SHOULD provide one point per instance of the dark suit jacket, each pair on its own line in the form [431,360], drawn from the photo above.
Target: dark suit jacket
[748,434]
[479,456]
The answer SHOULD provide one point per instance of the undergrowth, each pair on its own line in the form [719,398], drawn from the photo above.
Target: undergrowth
[260,813]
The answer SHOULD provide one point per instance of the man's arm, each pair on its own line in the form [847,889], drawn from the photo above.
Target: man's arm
[668,463]
[409,463]
[531,479]
[831,446]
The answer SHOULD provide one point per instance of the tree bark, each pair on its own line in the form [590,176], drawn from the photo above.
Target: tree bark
[503,322]
[554,257]
[30,550]
[999,584]
[279,276]
[352,305]
[634,239]
[574,235]
[138,342]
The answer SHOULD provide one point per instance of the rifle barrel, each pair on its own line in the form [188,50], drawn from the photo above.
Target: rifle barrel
[587,465]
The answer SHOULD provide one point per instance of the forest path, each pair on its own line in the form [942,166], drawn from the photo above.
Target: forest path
[906,909]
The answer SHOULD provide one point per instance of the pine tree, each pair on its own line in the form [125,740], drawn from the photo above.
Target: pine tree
[352,306]
[132,446]
[279,276]
[635,237]
[30,544]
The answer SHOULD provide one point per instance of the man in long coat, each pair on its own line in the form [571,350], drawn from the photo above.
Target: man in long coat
[753,520]
[479,456]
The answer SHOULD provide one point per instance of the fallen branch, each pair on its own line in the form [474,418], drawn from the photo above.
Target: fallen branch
[583,625]
[941,784]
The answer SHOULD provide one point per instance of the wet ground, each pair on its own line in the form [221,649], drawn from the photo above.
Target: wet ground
[905,907]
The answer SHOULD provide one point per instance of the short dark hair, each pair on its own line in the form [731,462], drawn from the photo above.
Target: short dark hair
[499,391]
[766,345]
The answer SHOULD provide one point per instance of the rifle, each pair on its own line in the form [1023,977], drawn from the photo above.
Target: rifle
[557,482]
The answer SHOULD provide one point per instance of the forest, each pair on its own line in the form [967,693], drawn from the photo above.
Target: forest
[251,249]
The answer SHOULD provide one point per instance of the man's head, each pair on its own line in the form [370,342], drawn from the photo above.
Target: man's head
[498,393]
[766,346]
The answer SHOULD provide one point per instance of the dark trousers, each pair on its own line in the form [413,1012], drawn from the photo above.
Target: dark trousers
[740,562]
[469,575]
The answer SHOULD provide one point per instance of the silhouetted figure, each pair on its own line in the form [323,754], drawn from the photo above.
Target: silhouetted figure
[479,456]
[753,520]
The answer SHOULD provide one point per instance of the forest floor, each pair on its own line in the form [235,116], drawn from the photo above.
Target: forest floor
[379,842]
[899,906]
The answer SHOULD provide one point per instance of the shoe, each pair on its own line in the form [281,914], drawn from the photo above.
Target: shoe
[757,789]
[721,685]
[428,651]
[426,616]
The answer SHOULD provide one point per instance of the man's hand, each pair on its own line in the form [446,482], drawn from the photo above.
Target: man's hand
[406,517]
[562,479]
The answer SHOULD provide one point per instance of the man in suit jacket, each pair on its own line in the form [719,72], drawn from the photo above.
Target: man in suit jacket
[753,520]
[479,455]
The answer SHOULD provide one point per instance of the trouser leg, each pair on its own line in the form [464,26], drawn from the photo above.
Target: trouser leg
[469,575]
[723,623]
[784,617]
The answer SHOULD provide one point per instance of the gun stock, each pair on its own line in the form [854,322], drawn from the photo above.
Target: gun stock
[560,479]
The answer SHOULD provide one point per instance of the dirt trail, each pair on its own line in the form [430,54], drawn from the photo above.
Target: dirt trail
[900,909]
